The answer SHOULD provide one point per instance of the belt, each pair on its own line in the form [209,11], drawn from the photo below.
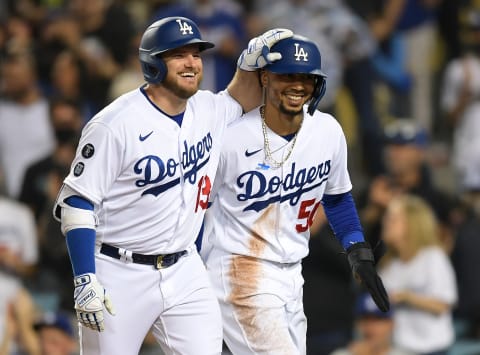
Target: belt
[158,261]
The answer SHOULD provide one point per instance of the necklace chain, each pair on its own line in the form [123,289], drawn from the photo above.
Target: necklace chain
[268,153]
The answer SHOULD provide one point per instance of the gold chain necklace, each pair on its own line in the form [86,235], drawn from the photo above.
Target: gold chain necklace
[266,143]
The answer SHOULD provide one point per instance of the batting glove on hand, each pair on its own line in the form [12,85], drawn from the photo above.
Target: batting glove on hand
[257,54]
[90,297]
[361,260]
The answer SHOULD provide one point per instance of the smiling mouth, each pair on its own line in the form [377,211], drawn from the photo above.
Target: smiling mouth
[188,75]
[294,98]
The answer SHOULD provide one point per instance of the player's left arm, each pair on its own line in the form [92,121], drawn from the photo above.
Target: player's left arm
[78,224]
[343,218]
[245,85]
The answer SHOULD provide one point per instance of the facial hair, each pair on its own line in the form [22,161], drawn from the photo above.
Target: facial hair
[290,112]
[182,92]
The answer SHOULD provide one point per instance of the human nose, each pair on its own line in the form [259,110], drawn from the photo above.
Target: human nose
[190,60]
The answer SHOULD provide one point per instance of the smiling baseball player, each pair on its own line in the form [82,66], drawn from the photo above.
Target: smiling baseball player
[135,198]
[278,164]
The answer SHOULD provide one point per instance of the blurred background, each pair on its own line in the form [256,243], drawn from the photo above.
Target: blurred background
[403,81]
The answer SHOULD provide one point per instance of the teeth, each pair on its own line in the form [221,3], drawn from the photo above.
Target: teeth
[190,75]
[294,97]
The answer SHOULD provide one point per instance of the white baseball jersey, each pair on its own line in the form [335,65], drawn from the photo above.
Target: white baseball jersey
[265,212]
[142,170]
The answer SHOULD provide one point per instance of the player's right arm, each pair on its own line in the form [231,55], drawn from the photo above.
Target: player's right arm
[245,85]
[78,225]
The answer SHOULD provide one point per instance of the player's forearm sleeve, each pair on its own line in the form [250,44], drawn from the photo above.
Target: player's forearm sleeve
[81,241]
[343,218]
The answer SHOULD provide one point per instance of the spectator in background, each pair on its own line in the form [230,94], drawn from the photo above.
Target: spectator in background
[406,33]
[17,311]
[389,62]
[418,276]
[96,31]
[56,334]
[67,79]
[67,122]
[18,257]
[351,35]
[406,171]
[417,22]
[460,102]
[34,11]
[224,28]
[18,35]
[18,239]
[26,134]
[373,330]
[130,76]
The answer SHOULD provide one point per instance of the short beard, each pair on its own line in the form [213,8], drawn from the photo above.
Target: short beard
[179,91]
[286,111]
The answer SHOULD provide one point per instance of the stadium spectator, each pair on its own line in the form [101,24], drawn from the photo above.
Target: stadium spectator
[26,133]
[418,276]
[461,105]
[17,311]
[406,171]
[56,334]
[373,330]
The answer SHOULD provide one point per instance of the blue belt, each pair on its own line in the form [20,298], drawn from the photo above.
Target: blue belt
[158,261]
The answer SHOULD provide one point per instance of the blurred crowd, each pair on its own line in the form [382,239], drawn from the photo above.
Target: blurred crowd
[403,80]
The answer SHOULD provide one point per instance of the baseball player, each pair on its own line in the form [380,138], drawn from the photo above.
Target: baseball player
[133,203]
[278,164]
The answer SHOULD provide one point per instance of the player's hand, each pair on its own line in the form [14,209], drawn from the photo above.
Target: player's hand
[361,260]
[90,297]
[258,54]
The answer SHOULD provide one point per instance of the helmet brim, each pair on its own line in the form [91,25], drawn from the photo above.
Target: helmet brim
[202,45]
[283,70]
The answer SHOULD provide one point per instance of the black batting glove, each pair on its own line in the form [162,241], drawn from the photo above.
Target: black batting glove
[362,262]
[378,248]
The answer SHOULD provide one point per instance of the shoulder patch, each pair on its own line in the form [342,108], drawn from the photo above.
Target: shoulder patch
[78,169]
[88,150]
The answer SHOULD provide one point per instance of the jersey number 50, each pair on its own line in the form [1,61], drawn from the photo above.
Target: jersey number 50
[307,211]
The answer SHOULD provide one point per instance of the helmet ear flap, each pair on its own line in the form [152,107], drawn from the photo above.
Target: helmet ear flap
[153,67]
[318,92]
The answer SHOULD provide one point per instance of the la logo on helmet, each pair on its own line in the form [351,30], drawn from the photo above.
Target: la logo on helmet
[300,53]
[185,28]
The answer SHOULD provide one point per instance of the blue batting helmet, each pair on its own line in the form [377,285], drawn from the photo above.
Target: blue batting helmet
[300,56]
[161,36]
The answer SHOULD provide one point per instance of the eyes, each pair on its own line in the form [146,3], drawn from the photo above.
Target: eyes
[305,78]
[183,52]
[184,55]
